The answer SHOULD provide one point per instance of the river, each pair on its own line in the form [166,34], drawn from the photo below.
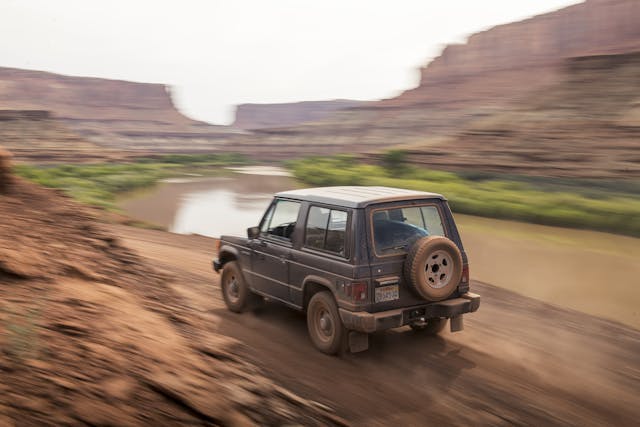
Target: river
[593,272]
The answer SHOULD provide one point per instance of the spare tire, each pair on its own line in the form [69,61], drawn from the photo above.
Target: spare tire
[433,267]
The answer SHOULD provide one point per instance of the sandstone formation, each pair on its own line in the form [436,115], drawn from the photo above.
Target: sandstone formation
[87,99]
[37,136]
[510,59]
[260,116]
[496,72]
[587,125]
[113,114]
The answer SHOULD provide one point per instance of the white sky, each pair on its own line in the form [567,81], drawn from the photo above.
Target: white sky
[218,54]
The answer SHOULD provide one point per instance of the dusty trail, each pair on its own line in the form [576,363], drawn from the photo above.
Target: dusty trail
[519,361]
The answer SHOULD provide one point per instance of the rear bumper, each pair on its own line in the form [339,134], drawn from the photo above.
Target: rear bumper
[217,265]
[363,321]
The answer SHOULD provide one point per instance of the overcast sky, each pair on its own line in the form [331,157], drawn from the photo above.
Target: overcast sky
[217,54]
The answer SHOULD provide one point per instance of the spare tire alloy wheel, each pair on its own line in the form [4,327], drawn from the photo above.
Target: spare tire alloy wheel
[433,267]
[439,268]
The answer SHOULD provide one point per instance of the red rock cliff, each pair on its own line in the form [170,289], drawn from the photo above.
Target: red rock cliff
[82,98]
[506,60]
[259,116]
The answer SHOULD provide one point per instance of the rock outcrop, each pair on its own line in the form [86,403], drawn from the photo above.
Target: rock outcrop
[261,116]
[113,114]
[86,98]
[37,136]
[496,72]
[508,60]
[587,125]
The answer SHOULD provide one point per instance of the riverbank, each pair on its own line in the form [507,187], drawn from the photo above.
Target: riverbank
[99,184]
[603,206]
[593,205]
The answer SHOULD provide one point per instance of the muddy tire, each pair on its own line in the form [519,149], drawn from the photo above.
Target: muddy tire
[430,326]
[326,330]
[235,291]
[433,268]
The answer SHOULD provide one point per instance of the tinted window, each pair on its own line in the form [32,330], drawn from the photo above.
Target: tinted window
[326,230]
[395,230]
[281,220]
[317,227]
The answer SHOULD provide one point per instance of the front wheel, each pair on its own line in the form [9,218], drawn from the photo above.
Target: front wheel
[323,321]
[235,291]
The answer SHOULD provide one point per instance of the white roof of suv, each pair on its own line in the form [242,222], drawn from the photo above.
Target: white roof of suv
[356,196]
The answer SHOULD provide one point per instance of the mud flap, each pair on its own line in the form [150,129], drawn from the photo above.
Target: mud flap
[456,323]
[358,341]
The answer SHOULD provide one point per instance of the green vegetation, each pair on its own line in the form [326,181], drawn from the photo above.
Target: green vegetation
[566,203]
[98,184]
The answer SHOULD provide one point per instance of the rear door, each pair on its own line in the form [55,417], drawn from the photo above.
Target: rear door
[271,251]
[392,229]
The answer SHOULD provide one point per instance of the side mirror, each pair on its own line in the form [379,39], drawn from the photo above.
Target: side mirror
[253,232]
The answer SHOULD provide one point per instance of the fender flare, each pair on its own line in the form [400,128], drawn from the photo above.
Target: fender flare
[227,253]
[318,281]
[322,281]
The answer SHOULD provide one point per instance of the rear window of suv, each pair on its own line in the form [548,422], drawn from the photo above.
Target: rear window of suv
[327,230]
[396,229]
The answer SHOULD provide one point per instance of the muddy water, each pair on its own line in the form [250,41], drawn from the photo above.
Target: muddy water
[593,272]
[210,206]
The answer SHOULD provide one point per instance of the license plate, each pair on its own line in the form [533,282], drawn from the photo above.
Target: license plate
[387,293]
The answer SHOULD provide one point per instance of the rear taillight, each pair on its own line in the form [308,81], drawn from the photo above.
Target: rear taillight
[465,274]
[357,291]
[218,243]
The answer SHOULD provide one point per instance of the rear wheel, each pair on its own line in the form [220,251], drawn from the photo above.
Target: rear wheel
[324,324]
[429,326]
[235,291]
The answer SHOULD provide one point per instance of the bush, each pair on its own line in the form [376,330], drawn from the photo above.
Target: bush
[497,198]
[98,184]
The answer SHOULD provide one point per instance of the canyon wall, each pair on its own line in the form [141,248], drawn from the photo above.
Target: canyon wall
[507,60]
[260,116]
[586,125]
[87,98]
[41,110]
[37,135]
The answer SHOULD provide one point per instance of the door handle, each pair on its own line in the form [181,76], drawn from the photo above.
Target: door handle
[257,244]
[284,258]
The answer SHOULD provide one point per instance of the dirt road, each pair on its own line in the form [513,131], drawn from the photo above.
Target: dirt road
[519,361]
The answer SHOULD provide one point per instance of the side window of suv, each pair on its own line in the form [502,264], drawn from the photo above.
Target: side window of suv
[326,230]
[281,219]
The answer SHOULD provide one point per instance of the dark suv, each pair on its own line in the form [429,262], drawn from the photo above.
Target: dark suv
[356,259]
